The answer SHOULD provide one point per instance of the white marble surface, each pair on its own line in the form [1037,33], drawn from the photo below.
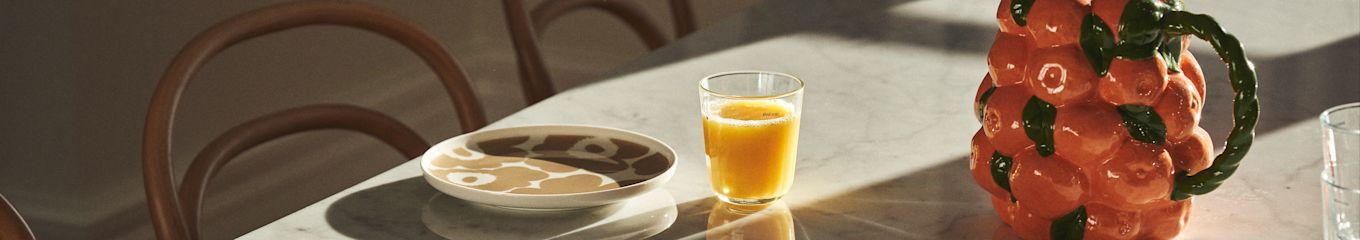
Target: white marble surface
[886,128]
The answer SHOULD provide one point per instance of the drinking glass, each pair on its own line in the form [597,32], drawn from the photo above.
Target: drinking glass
[750,133]
[1341,171]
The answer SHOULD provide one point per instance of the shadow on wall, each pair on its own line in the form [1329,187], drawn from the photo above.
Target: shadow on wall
[758,24]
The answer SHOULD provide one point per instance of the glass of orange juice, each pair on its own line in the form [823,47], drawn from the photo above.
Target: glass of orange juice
[751,133]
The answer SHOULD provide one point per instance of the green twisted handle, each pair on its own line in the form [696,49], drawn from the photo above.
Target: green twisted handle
[1149,28]
[1246,107]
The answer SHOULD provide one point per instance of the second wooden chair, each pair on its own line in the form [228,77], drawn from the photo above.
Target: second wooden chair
[526,26]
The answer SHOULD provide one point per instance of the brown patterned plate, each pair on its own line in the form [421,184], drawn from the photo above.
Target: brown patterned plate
[547,167]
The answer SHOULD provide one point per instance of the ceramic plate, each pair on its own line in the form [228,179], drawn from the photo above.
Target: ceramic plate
[548,167]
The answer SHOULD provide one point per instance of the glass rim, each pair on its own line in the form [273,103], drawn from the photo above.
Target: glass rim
[731,96]
[1326,121]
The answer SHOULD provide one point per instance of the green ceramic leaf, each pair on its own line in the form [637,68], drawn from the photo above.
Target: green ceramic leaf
[1001,170]
[982,103]
[1143,123]
[1038,118]
[1019,10]
[1096,42]
[1171,52]
[1069,227]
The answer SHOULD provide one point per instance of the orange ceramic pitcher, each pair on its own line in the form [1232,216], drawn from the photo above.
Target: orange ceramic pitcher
[1090,112]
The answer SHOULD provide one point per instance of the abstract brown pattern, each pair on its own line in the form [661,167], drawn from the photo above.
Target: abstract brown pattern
[551,164]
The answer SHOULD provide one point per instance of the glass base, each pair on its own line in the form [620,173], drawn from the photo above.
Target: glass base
[744,201]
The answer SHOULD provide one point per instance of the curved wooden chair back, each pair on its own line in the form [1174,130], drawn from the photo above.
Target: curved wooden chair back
[168,214]
[12,226]
[272,126]
[525,28]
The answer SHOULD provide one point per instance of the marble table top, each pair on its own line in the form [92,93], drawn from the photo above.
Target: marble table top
[885,132]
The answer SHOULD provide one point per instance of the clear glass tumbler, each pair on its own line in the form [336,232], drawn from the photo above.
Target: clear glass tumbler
[1341,171]
[751,133]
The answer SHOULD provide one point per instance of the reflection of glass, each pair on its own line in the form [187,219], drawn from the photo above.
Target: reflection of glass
[751,133]
[637,218]
[734,222]
[1341,171]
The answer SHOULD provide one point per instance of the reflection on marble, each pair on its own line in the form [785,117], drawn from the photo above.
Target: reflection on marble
[636,218]
[886,125]
[709,218]
[734,222]
[411,209]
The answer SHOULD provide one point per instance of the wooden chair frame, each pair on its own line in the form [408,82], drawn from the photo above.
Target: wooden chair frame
[12,226]
[174,219]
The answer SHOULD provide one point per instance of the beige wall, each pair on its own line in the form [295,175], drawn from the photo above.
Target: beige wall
[75,78]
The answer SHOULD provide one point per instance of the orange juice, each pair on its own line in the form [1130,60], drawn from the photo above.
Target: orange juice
[750,146]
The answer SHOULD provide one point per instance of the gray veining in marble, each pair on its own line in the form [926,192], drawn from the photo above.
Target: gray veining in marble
[887,123]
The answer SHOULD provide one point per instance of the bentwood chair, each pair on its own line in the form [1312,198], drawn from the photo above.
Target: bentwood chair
[524,31]
[12,226]
[178,218]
